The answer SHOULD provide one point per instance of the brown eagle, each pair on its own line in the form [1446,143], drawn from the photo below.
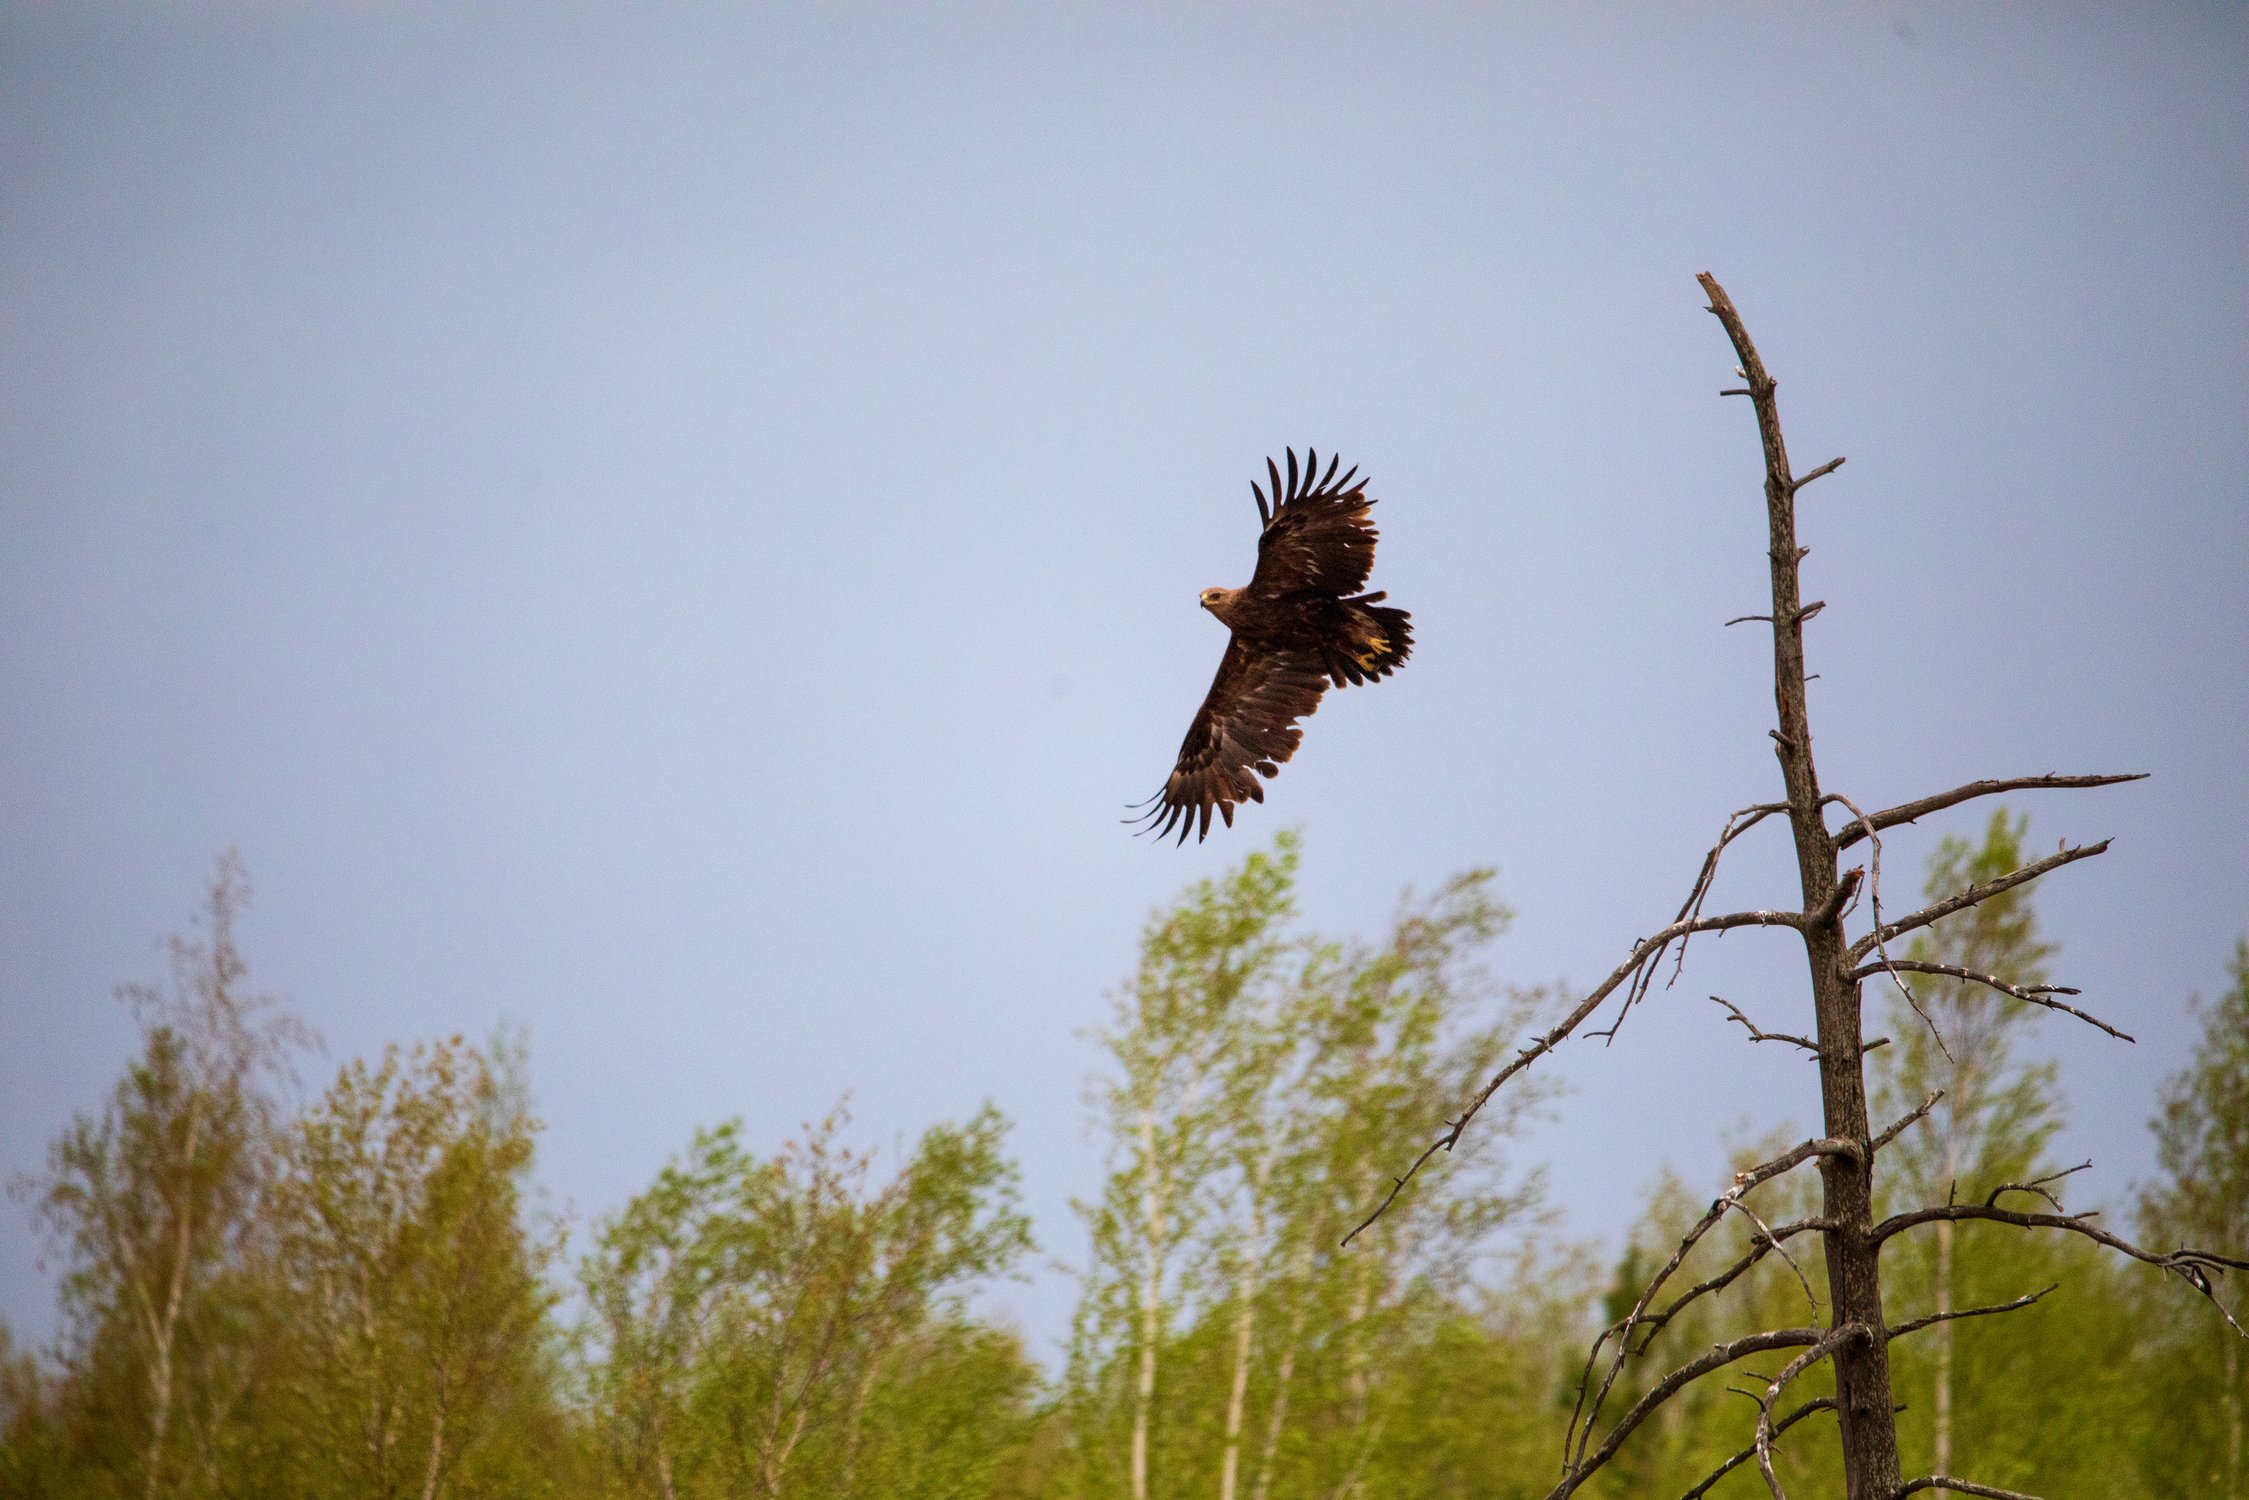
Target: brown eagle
[1299,625]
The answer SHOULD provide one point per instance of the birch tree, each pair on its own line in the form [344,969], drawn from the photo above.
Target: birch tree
[1956,1038]
[769,1326]
[1208,977]
[1227,1344]
[150,1204]
[2202,1197]
[409,1292]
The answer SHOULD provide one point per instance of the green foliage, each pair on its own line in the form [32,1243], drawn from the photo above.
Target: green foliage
[773,1326]
[356,1300]
[2198,1380]
[408,1299]
[1690,1436]
[1262,1088]
[154,1207]
[1957,1036]
[1968,1407]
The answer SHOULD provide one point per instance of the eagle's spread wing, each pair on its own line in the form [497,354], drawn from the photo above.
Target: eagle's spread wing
[1317,537]
[1247,724]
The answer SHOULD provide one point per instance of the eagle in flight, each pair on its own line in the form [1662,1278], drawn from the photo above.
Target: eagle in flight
[1300,625]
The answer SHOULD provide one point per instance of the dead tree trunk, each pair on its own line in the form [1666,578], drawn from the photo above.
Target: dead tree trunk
[1862,1365]
[1855,1335]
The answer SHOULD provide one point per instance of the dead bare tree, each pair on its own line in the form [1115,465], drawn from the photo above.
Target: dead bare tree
[1854,1336]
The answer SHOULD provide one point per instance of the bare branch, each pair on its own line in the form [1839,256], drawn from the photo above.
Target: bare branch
[1621,1331]
[1819,473]
[1655,1322]
[1907,1123]
[1738,823]
[1889,965]
[1961,1487]
[2035,994]
[1821,1403]
[1932,1319]
[1765,1036]
[1780,1250]
[1974,895]
[1907,812]
[1718,1357]
[2191,1266]
[2037,1185]
[1636,968]
[1795,1367]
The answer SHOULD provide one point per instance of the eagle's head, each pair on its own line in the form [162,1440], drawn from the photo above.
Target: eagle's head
[1217,600]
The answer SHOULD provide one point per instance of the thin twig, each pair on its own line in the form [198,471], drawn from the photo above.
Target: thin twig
[1622,1330]
[1644,954]
[1718,1357]
[1782,1251]
[1961,1487]
[1874,902]
[1906,1123]
[1738,823]
[1974,895]
[1818,1403]
[2034,994]
[2037,1185]
[1819,473]
[2191,1266]
[1654,1323]
[1907,812]
[1933,1319]
[1795,1367]
[1765,1036]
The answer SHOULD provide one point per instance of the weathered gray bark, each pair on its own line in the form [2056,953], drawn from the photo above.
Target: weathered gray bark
[1856,1337]
[1862,1366]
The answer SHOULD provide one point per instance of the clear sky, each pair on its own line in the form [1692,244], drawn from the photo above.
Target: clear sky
[679,527]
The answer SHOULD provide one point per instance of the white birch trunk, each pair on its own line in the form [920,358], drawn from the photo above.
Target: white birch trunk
[1245,1330]
[164,1333]
[1941,1405]
[1151,1290]
[436,1465]
[1300,1268]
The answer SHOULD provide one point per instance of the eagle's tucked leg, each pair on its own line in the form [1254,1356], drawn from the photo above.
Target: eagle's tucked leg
[1370,641]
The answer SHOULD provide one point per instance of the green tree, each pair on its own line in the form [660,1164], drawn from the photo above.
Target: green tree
[1685,1440]
[31,1461]
[1209,979]
[1958,1036]
[153,1206]
[770,1326]
[1224,1338]
[2202,1198]
[1994,1125]
[407,1299]
[1386,1028]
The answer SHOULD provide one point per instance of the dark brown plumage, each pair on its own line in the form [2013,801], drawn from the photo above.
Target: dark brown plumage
[1299,626]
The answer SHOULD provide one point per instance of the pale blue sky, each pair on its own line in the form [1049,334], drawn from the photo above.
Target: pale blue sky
[680,527]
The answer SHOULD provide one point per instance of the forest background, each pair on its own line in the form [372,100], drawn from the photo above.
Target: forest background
[350,1290]
[679,532]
